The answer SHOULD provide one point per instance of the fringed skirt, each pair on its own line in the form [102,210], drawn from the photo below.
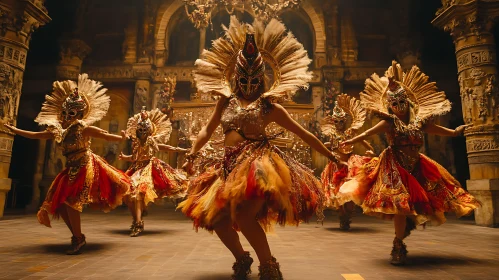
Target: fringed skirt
[96,183]
[254,170]
[334,175]
[384,188]
[154,179]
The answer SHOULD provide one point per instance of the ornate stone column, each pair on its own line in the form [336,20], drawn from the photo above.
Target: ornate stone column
[333,35]
[470,24]
[72,53]
[18,20]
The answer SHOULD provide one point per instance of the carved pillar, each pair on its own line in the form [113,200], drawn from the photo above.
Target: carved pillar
[72,53]
[332,17]
[202,39]
[470,24]
[18,21]
[142,73]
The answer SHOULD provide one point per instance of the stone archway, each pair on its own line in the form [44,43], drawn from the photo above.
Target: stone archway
[317,20]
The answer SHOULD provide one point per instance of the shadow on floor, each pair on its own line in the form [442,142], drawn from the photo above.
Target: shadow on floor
[353,229]
[144,233]
[214,276]
[60,249]
[419,261]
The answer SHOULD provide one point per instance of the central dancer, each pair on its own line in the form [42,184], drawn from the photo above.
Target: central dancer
[256,184]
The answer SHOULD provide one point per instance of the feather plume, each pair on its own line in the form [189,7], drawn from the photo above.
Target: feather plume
[278,47]
[162,126]
[353,108]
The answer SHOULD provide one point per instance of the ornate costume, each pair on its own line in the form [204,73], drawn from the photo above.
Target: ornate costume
[401,180]
[347,117]
[253,169]
[150,176]
[87,178]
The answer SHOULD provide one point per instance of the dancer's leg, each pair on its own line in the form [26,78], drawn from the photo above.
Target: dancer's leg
[64,215]
[74,219]
[252,230]
[399,221]
[229,237]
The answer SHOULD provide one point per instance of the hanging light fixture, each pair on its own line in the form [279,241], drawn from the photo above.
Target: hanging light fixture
[200,12]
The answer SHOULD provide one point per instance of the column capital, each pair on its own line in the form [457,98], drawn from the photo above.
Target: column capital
[465,18]
[72,53]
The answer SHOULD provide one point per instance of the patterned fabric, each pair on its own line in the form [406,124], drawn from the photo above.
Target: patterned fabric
[255,170]
[155,179]
[335,175]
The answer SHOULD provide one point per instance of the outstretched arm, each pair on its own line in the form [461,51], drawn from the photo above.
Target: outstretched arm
[280,116]
[380,127]
[206,132]
[30,134]
[93,131]
[168,148]
[432,128]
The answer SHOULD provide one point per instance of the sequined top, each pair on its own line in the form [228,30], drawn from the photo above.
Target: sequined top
[142,153]
[248,122]
[405,140]
[75,146]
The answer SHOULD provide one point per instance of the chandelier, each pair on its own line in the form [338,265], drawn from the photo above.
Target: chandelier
[200,12]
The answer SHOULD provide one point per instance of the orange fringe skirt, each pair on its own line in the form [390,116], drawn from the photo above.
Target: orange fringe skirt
[249,171]
[384,188]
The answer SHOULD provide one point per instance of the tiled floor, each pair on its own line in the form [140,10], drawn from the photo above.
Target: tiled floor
[170,249]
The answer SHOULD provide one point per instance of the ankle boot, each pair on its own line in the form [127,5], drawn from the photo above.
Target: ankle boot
[242,267]
[77,243]
[345,221]
[399,252]
[270,270]
[137,228]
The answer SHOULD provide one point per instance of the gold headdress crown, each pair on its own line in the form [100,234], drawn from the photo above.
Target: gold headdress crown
[426,101]
[86,93]
[395,91]
[338,112]
[154,120]
[278,48]
[345,106]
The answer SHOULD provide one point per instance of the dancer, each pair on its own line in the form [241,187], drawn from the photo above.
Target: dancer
[403,184]
[87,179]
[257,184]
[347,117]
[152,179]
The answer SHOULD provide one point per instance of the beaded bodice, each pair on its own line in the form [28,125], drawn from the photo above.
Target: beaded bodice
[405,140]
[339,137]
[75,146]
[401,134]
[142,151]
[248,122]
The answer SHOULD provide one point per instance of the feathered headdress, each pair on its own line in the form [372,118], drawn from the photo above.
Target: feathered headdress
[426,100]
[161,126]
[278,48]
[345,106]
[87,91]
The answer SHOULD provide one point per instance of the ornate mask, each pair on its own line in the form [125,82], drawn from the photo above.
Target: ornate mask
[339,117]
[73,107]
[144,127]
[397,99]
[250,69]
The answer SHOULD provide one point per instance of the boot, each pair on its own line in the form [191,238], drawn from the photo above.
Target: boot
[242,267]
[270,270]
[77,243]
[138,227]
[399,252]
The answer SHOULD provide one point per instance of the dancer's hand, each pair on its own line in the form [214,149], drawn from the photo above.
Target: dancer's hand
[188,167]
[123,135]
[346,142]
[10,127]
[370,153]
[460,129]
[121,156]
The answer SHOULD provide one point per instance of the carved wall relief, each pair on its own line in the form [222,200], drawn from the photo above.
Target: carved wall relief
[10,91]
[141,95]
[479,96]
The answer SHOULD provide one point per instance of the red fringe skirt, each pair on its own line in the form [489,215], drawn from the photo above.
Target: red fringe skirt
[384,188]
[155,179]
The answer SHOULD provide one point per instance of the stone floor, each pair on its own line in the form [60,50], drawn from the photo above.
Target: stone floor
[170,249]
